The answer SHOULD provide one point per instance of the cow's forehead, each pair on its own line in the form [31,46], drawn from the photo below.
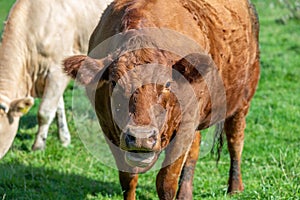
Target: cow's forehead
[132,77]
[129,59]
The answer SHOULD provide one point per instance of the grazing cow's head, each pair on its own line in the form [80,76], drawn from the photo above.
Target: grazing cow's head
[10,113]
[141,87]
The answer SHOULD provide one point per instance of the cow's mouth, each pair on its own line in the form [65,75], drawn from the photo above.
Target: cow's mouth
[140,159]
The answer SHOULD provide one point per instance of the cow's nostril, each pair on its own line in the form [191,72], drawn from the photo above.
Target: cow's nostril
[129,139]
[152,139]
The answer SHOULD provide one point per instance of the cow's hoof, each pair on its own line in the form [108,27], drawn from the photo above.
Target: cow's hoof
[65,140]
[66,143]
[235,190]
[38,146]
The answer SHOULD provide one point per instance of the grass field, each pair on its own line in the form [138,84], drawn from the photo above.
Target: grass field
[271,157]
[4,8]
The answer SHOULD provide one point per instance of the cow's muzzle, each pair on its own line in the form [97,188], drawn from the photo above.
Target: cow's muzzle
[142,145]
[141,139]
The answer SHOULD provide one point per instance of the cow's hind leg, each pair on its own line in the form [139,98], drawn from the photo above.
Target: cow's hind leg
[64,134]
[234,129]
[56,83]
[128,183]
[185,190]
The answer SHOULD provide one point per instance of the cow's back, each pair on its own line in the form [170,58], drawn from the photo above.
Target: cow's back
[57,23]
[60,27]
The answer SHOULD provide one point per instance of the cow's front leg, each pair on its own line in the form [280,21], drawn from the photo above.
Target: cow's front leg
[167,179]
[56,83]
[185,190]
[128,183]
[234,129]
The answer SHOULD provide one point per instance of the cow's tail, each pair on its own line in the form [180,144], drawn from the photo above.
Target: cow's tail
[218,140]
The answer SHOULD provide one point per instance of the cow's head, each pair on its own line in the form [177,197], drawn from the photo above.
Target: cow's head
[10,113]
[143,103]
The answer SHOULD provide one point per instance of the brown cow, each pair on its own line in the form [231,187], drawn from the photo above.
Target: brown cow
[159,70]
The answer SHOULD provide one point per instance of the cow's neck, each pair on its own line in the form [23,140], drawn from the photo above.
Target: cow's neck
[14,77]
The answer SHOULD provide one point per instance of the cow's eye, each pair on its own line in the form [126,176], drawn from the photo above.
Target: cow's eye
[165,94]
[168,84]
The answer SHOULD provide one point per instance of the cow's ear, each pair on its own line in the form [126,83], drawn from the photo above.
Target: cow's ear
[82,68]
[20,107]
[192,67]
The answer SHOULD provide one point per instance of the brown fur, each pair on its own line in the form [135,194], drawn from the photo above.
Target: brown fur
[227,32]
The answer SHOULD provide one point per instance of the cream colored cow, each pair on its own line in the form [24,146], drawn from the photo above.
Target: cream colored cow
[38,35]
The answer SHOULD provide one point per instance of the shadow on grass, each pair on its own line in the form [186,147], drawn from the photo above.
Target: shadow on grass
[18,181]
[28,121]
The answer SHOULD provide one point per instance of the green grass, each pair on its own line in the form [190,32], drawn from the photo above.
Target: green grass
[4,7]
[271,157]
